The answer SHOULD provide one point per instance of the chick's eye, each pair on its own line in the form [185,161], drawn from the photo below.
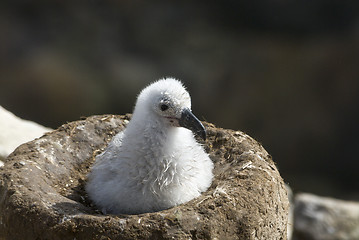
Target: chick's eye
[164,107]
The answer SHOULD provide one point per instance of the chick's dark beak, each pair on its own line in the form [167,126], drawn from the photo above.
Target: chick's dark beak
[188,120]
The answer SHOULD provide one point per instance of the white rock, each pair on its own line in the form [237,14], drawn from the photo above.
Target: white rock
[325,218]
[15,131]
[155,163]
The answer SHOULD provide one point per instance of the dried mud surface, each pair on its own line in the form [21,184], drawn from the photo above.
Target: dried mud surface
[42,191]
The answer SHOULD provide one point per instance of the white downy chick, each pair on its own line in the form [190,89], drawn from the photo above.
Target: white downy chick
[155,163]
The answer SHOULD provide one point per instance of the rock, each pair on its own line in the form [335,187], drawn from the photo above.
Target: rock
[42,191]
[15,131]
[325,218]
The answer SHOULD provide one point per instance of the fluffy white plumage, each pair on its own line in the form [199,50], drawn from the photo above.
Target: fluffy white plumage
[154,164]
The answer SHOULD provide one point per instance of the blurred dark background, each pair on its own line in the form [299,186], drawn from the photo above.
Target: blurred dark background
[285,72]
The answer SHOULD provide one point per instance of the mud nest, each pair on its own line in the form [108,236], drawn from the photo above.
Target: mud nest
[42,191]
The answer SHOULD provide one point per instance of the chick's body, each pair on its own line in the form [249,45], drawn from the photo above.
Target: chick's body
[154,164]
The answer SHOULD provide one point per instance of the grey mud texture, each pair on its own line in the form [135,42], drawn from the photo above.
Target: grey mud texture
[42,191]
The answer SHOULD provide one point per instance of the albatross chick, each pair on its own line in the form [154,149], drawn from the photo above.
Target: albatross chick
[155,163]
